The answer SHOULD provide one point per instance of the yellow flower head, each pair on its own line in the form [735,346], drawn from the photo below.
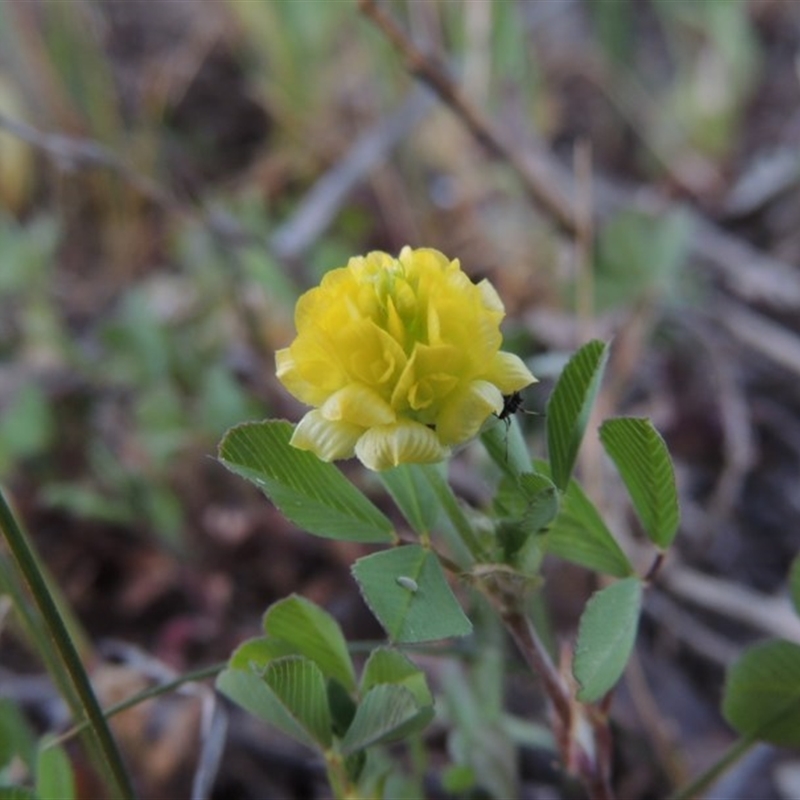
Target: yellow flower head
[400,358]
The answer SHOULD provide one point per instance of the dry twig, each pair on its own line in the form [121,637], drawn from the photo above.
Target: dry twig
[749,273]
[760,334]
[70,153]
[542,187]
[773,616]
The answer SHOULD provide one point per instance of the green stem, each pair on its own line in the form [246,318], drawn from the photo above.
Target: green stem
[340,784]
[506,447]
[712,774]
[450,505]
[148,694]
[25,560]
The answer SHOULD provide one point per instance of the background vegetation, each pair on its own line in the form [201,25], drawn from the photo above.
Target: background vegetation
[173,175]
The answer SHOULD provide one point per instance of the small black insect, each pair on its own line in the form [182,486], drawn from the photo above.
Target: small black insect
[511,404]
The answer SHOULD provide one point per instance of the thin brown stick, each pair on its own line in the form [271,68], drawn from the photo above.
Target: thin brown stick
[770,614]
[584,238]
[545,191]
[747,272]
[72,152]
[537,658]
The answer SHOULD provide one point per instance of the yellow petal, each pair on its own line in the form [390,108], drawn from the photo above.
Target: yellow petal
[472,329]
[424,260]
[358,405]
[284,362]
[371,355]
[509,373]
[328,440]
[328,307]
[491,300]
[430,374]
[289,375]
[406,442]
[466,411]
[429,391]
[394,324]
[306,374]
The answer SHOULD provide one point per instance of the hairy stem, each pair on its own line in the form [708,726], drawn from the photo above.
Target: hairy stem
[591,765]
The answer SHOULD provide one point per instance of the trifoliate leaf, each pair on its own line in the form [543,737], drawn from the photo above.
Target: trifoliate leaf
[406,589]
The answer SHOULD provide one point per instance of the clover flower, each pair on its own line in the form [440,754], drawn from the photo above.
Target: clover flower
[400,358]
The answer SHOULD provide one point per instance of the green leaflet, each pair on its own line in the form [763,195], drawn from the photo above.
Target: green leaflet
[311,493]
[762,693]
[643,462]
[570,405]
[606,637]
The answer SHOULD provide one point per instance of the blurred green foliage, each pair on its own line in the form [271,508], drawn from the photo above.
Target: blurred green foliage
[716,59]
[640,257]
[30,767]
[99,410]
[162,374]
[162,383]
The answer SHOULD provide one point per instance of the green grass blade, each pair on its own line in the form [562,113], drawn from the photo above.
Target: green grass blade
[98,732]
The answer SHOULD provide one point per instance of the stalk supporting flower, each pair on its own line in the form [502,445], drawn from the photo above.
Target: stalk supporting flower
[400,358]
